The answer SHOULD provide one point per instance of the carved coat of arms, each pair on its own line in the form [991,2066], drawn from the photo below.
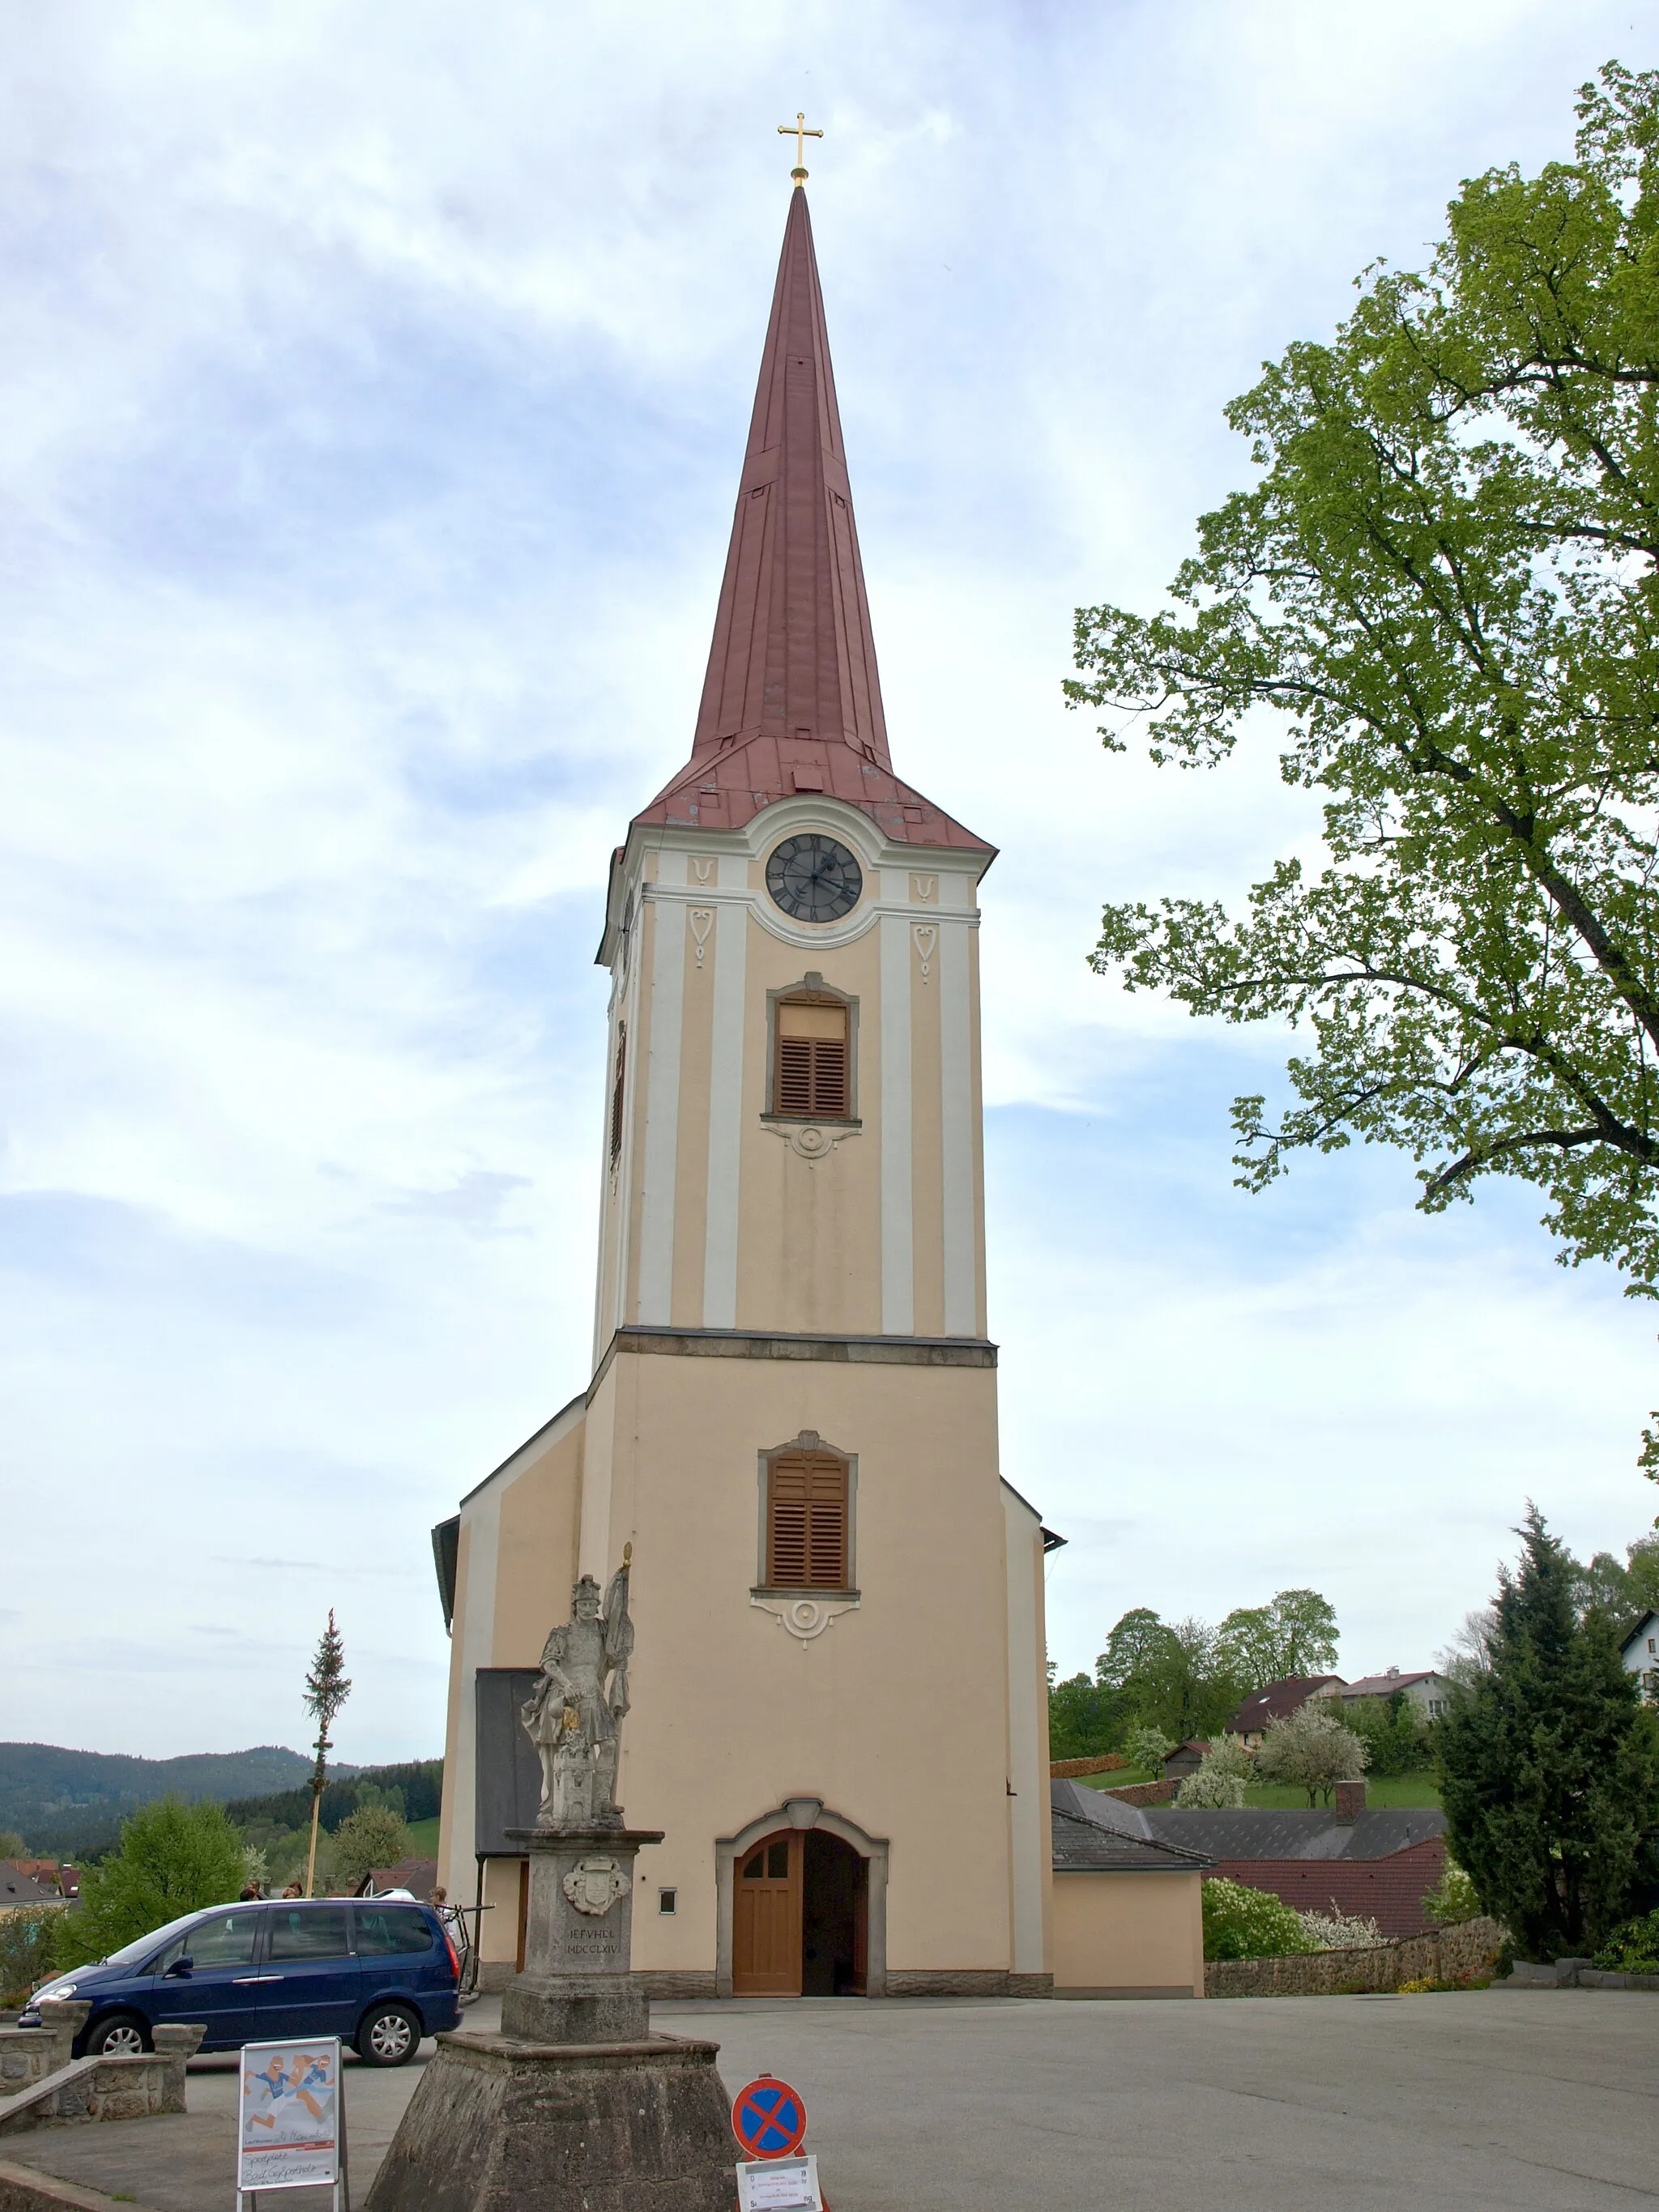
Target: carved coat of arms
[594,1885]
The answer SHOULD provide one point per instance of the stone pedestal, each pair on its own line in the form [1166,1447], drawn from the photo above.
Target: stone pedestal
[63,2017]
[499,2125]
[576,1986]
[576,2106]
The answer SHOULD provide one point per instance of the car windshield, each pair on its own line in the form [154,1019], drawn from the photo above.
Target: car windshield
[129,1953]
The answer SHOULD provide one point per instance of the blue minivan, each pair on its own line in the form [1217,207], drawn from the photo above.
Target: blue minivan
[379,1972]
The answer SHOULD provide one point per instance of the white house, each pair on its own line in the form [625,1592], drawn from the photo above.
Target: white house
[1640,1653]
[1428,1691]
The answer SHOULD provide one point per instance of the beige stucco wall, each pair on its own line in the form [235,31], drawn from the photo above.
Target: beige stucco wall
[703,948]
[1121,1934]
[500,1921]
[1031,1925]
[895,1716]
[516,1557]
[918,1716]
[809,1252]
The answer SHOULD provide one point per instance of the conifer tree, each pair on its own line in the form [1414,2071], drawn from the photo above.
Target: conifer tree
[1550,1763]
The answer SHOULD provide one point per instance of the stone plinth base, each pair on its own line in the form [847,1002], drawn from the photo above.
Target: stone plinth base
[575,2008]
[501,2126]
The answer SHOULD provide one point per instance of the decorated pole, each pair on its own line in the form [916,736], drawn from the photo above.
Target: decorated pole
[326,1690]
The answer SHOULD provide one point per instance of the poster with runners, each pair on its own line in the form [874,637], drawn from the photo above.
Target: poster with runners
[290,2117]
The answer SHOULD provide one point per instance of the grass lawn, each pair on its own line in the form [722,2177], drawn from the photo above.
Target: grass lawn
[1381,1789]
[423,1838]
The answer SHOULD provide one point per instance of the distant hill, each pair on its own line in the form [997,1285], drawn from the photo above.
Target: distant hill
[62,1801]
[419,1783]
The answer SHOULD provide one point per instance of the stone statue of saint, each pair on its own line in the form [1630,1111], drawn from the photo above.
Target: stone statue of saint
[575,1716]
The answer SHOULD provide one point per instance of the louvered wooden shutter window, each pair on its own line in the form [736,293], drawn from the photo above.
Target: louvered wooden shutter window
[806,1522]
[617,1093]
[811,1075]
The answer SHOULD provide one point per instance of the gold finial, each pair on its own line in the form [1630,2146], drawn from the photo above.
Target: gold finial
[628,1554]
[799,131]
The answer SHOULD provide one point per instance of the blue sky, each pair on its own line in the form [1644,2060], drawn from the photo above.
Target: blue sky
[374,390]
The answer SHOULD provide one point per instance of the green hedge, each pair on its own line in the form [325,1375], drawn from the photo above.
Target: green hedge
[1631,1949]
[1240,1923]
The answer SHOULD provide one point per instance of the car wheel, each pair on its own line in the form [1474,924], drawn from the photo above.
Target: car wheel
[122,2035]
[389,2036]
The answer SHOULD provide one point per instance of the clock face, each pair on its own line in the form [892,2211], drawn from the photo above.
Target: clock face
[814,879]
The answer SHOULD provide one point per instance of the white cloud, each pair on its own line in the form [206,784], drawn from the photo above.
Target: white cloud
[375,383]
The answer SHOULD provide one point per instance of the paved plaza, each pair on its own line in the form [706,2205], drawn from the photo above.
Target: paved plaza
[1503,2099]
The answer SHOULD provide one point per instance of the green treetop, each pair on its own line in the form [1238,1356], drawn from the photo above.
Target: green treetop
[174,1858]
[1445,580]
[1295,1636]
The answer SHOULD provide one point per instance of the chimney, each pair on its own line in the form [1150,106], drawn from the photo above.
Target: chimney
[1350,1801]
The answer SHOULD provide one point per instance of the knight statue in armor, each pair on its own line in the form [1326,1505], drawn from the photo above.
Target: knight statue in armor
[575,1717]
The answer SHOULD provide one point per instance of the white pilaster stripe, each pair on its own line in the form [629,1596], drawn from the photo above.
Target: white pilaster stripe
[720,1251]
[898,1295]
[957,1130]
[662,1108]
[621,1205]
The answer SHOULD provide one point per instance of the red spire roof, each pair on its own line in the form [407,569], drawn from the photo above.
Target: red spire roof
[791,700]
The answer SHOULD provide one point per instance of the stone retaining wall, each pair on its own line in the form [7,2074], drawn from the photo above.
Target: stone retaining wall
[1470,1948]
[26,2057]
[1575,1974]
[24,2190]
[95,2088]
[1067,1770]
[1143,1793]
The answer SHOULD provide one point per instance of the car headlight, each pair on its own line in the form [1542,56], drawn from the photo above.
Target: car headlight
[57,1990]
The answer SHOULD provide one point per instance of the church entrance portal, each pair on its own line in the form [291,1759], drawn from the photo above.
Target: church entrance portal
[800,1917]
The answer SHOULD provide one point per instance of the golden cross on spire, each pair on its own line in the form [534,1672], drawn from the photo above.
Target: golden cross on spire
[799,131]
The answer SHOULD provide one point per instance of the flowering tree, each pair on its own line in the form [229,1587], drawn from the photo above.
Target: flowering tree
[1224,1772]
[1146,1746]
[1337,1931]
[1310,1749]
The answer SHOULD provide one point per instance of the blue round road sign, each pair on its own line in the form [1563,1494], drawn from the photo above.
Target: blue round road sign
[769,2118]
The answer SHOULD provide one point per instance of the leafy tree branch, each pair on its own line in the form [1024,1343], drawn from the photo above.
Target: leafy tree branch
[1444,580]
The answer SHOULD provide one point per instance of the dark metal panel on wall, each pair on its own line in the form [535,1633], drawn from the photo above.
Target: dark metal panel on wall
[509,1774]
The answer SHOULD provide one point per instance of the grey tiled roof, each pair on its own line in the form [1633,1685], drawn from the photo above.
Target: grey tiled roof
[18,1889]
[1258,1832]
[1094,1832]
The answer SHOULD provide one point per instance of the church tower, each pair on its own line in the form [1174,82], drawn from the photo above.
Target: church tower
[838,1710]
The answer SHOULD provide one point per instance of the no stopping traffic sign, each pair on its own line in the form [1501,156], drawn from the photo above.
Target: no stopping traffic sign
[769,2118]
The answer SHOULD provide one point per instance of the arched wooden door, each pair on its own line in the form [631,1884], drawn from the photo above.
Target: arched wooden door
[766,1925]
